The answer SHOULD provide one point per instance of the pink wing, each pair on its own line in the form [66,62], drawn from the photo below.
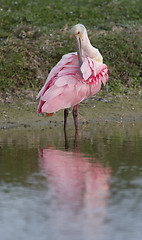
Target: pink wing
[65,87]
[66,59]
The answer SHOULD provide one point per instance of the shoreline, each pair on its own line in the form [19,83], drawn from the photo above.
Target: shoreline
[21,111]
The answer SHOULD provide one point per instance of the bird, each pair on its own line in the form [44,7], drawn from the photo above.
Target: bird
[76,77]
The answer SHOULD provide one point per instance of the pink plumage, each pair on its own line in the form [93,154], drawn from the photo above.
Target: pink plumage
[66,87]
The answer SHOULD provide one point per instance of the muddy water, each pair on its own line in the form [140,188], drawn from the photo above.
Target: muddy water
[81,187]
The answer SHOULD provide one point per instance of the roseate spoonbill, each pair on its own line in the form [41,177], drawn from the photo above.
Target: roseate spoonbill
[76,77]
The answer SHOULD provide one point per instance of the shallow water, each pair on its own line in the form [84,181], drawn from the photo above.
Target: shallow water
[82,187]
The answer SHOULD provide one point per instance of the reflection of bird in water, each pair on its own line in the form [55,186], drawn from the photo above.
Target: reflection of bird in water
[76,77]
[75,178]
[80,183]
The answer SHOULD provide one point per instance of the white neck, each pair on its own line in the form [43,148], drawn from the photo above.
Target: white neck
[89,51]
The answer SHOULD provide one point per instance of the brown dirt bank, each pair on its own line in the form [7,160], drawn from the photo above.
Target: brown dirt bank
[20,110]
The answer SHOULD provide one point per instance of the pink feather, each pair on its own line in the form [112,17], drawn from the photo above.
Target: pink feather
[65,87]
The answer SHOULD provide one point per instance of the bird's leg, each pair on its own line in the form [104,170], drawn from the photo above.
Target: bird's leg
[66,140]
[66,113]
[75,117]
[76,142]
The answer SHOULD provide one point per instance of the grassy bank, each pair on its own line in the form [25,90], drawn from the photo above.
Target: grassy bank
[34,34]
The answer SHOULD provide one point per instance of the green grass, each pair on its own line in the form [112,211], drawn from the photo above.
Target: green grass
[34,34]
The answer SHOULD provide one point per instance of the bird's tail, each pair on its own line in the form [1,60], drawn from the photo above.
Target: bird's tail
[49,114]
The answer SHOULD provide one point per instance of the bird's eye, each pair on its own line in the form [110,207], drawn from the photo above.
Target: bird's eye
[78,33]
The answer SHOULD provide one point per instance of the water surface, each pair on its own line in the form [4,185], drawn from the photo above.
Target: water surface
[77,188]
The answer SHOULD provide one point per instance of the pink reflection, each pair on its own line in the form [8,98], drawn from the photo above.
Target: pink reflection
[77,181]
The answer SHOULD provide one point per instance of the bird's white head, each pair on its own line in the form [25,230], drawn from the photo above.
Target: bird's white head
[83,45]
[79,33]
